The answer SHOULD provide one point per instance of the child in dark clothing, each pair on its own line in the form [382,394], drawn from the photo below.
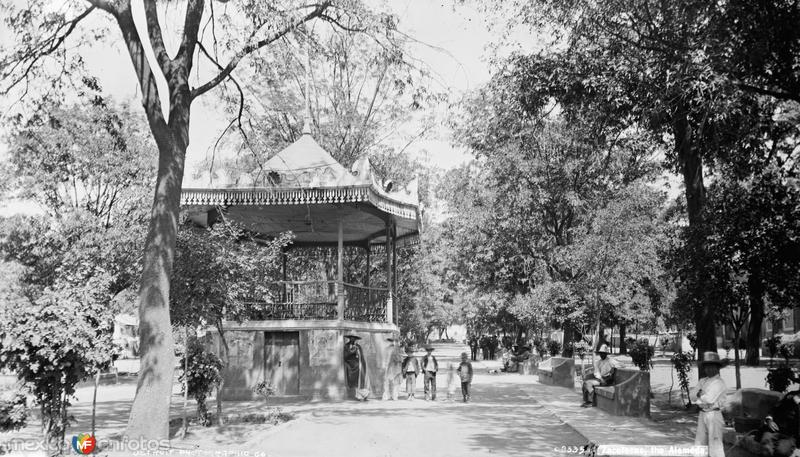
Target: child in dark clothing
[465,373]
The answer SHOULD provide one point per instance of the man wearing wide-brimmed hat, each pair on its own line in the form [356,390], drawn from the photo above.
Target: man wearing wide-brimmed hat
[355,369]
[604,370]
[394,371]
[710,395]
[429,368]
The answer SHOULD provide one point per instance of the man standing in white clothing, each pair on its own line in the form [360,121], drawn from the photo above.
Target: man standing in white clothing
[711,393]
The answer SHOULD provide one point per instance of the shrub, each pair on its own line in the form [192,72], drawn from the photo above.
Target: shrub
[641,353]
[779,378]
[13,411]
[264,389]
[665,341]
[52,345]
[580,348]
[203,374]
[540,346]
[553,348]
[682,362]
[772,345]
[786,350]
[692,337]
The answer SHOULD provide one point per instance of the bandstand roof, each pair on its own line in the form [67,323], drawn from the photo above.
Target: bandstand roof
[305,190]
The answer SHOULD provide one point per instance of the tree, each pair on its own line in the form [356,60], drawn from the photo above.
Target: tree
[754,232]
[359,90]
[616,256]
[537,181]
[644,63]
[48,360]
[218,271]
[89,155]
[249,28]
[692,72]
[758,44]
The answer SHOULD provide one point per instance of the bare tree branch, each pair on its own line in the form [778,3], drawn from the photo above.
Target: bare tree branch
[780,95]
[150,96]
[336,22]
[191,27]
[156,39]
[255,46]
[32,56]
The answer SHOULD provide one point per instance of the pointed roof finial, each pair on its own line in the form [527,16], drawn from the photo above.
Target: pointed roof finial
[307,116]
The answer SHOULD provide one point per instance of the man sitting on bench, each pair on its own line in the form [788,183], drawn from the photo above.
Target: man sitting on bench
[603,375]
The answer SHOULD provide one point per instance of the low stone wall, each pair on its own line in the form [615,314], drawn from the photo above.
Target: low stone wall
[557,371]
[629,396]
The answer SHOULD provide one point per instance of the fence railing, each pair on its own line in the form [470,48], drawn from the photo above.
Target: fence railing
[365,304]
[316,300]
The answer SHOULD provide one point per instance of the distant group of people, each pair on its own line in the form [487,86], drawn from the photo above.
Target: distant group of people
[514,356]
[488,345]
[406,369]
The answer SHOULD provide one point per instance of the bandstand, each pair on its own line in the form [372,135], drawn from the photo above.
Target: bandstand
[295,339]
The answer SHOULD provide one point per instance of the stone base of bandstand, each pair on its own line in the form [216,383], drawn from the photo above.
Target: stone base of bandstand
[298,357]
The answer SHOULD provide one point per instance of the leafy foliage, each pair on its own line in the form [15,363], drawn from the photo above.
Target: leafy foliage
[13,410]
[361,90]
[682,362]
[217,270]
[772,343]
[91,155]
[52,344]
[641,353]
[202,374]
[581,348]
[779,378]
[553,348]
[264,389]
[692,337]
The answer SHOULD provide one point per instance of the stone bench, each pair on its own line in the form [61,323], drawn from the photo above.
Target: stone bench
[629,396]
[530,366]
[557,371]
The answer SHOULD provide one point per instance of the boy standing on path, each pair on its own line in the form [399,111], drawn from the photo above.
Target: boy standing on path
[465,373]
[410,372]
[429,367]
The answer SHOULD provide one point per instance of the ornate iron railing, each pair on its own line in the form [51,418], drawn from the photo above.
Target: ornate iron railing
[317,300]
[365,304]
[264,311]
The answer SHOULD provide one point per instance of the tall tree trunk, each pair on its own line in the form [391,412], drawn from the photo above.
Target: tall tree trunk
[691,163]
[736,361]
[623,348]
[94,400]
[756,292]
[225,364]
[569,334]
[149,417]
